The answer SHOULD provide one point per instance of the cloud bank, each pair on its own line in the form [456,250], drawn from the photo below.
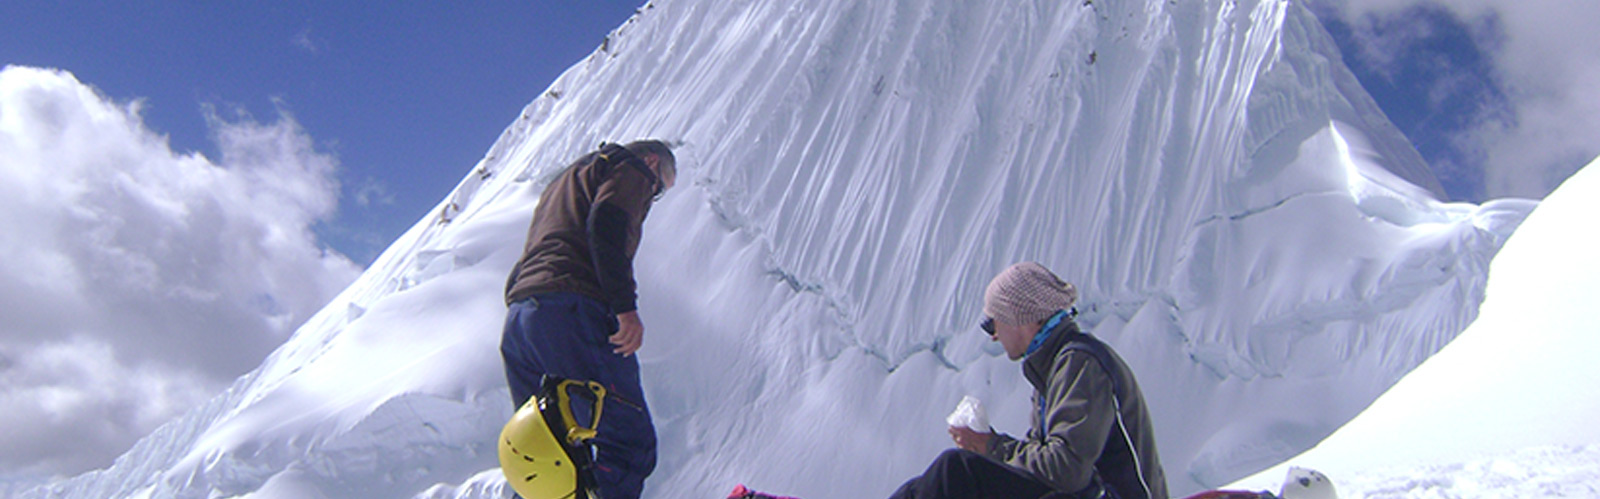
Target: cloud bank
[135,281]
[1543,58]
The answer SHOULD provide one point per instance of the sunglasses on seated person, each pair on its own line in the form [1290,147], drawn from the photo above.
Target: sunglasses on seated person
[988,322]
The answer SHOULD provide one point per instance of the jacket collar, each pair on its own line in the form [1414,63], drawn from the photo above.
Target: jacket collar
[1038,365]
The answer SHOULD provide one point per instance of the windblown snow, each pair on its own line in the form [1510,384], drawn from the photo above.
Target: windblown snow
[1244,225]
[1507,409]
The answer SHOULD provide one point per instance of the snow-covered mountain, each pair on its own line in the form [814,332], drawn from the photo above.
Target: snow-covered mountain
[1244,226]
[1508,408]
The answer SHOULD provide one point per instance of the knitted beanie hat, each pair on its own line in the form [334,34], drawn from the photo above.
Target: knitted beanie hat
[1027,293]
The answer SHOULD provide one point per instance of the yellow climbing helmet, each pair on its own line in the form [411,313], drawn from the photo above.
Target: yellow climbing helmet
[544,451]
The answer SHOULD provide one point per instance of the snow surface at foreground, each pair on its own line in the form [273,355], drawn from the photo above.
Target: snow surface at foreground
[1481,415]
[1551,471]
[852,174]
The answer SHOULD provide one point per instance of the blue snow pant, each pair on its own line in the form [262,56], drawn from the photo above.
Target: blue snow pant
[565,334]
[960,473]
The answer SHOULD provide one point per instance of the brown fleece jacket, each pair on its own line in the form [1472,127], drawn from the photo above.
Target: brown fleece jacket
[586,230]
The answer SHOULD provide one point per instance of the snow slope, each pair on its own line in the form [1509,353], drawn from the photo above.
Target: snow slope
[1508,408]
[1230,204]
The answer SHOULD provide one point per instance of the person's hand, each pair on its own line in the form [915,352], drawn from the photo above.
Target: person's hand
[967,439]
[629,335]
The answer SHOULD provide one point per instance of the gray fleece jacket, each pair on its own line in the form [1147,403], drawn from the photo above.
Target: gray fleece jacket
[1086,431]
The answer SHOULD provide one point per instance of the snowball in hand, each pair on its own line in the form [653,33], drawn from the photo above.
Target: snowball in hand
[969,413]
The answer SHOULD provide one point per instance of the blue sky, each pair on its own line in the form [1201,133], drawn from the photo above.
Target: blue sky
[406,95]
[1438,86]
[1501,98]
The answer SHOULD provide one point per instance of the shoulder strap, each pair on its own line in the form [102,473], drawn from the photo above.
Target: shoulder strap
[611,155]
[1078,341]
[1091,345]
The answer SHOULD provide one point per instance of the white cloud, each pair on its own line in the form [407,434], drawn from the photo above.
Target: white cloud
[303,41]
[136,281]
[77,391]
[372,192]
[1543,52]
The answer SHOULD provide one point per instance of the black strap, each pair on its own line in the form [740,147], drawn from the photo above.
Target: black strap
[1081,342]
[581,454]
[610,155]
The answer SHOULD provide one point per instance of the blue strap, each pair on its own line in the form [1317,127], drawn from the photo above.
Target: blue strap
[1033,346]
[1044,332]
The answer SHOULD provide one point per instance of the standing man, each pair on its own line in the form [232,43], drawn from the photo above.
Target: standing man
[571,299]
[1091,434]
